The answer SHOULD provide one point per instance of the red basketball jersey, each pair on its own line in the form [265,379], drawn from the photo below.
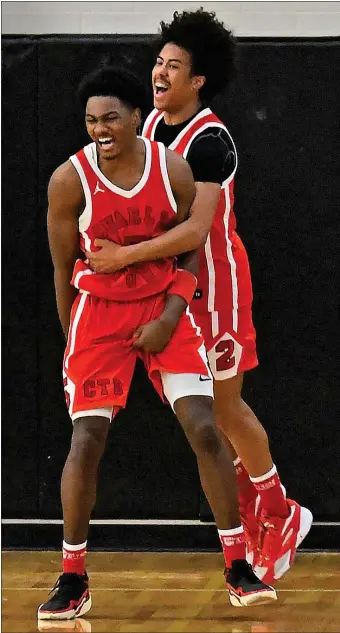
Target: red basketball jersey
[224,277]
[125,217]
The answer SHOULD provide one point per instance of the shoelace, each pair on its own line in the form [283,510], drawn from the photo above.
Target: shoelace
[61,584]
[56,586]
[249,530]
[265,527]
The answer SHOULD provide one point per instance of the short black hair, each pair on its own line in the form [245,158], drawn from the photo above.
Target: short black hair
[211,45]
[111,81]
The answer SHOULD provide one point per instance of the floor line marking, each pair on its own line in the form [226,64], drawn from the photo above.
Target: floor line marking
[161,589]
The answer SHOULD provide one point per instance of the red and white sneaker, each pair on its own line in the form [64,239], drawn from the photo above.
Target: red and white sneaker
[250,517]
[279,539]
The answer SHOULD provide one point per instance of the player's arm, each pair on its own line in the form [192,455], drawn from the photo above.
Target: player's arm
[212,159]
[154,336]
[189,235]
[186,236]
[65,203]
[182,289]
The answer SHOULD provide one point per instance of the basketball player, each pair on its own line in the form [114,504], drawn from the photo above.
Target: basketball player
[194,63]
[129,189]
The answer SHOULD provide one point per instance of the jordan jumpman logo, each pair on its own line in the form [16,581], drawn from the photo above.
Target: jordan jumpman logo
[98,189]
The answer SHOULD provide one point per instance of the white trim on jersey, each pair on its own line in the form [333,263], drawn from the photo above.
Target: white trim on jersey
[192,320]
[211,275]
[148,121]
[198,116]
[207,248]
[80,275]
[214,324]
[86,216]
[165,175]
[173,145]
[71,390]
[91,155]
[232,263]
[74,327]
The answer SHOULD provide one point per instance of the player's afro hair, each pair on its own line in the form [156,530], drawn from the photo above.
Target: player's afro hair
[211,46]
[113,82]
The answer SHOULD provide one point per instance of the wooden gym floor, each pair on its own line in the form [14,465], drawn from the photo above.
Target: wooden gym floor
[171,592]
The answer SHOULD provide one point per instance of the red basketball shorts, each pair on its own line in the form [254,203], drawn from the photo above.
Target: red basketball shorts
[223,309]
[99,359]
[230,352]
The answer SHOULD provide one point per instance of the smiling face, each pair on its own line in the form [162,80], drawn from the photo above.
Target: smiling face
[173,84]
[111,124]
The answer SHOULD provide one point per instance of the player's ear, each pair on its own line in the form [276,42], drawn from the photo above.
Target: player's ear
[137,117]
[198,82]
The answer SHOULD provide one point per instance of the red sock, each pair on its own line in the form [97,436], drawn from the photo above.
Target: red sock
[246,490]
[233,544]
[272,496]
[74,558]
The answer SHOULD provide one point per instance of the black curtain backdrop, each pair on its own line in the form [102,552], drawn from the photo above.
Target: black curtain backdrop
[283,111]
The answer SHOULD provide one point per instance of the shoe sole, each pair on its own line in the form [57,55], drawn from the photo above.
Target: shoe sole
[252,599]
[305,525]
[306,520]
[84,608]
[67,615]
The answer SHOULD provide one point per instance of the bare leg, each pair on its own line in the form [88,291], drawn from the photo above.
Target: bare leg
[79,478]
[241,427]
[216,469]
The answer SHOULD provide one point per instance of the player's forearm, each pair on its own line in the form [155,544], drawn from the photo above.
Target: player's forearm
[174,308]
[184,237]
[189,261]
[65,296]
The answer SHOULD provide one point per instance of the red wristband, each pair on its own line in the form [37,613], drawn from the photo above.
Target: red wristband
[183,285]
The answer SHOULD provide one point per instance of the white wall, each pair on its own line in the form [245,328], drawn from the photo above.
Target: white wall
[272,19]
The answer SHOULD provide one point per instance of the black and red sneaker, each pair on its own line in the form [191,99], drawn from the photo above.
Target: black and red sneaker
[72,599]
[245,588]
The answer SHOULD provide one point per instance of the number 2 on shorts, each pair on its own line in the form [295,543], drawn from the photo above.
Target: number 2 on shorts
[227,360]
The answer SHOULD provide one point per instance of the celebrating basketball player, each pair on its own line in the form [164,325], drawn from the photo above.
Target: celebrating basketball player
[195,63]
[128,189]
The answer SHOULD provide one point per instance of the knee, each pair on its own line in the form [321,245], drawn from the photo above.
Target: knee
[234,415]
[201,431]
[205,437]
[88,442]
[230,410]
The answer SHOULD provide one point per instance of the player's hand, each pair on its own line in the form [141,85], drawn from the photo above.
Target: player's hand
[153,336]
[110,258]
